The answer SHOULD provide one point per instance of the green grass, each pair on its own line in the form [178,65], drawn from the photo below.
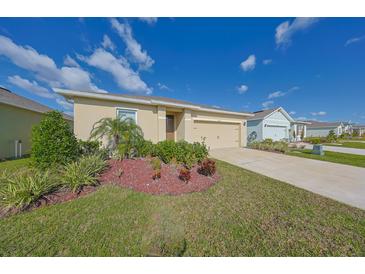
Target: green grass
[244,214]
[348,144]
[13,165]
[330,156]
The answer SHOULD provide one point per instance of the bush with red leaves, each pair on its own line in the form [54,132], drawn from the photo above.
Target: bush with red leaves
[156,175]
[184,174]
[207,167]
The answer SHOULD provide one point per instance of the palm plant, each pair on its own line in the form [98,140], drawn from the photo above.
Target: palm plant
[118,131]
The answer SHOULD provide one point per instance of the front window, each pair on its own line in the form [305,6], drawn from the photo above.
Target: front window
[127,113]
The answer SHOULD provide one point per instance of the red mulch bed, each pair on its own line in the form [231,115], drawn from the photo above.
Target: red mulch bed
[137,174]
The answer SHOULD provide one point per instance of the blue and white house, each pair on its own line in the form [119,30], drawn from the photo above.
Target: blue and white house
[275,124]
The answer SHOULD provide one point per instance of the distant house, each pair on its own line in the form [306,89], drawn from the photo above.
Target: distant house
[275,124]
[322,129]
[359,129]
[17,117]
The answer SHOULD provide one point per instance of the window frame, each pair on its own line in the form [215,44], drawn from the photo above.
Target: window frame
[128,110]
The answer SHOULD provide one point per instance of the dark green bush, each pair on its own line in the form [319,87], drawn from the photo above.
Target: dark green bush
[53,141]
[144,148]
[89,147]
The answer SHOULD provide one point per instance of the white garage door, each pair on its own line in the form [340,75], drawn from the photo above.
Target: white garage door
[276,133]
[217,135]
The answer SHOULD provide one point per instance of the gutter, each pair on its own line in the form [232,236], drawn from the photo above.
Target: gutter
[111,97]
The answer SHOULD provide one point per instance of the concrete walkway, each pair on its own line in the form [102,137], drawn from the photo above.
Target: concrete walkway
[340,182]
[350,150]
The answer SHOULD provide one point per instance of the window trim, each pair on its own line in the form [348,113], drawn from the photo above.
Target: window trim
[127,109]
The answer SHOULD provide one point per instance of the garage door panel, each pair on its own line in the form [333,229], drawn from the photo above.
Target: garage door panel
[217,135]
[275,132]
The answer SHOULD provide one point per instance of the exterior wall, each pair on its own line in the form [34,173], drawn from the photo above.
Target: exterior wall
[16,124]
[152,119]
[88,111]
[322,132]
[275,119]
[254,128]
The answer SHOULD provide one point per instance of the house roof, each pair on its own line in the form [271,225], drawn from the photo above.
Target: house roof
[316,124]
[148,100]
[262,114]
[9,98]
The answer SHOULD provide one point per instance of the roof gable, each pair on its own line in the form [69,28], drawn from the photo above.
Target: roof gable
[264,114]
[9,98]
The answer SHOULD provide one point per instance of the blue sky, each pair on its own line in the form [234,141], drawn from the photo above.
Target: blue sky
[314,68]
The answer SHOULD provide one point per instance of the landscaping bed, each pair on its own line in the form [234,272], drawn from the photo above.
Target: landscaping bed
[137,174]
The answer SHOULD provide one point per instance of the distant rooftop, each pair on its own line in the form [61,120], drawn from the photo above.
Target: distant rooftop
[7,97]
[317,124]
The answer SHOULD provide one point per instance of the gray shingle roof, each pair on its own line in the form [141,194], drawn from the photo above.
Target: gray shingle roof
[262,113]
[9,98]
[316,124]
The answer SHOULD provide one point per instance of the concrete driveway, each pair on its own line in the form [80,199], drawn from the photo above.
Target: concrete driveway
[340,182]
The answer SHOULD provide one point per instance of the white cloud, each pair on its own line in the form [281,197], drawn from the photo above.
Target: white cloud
[301,118]
[249,63]
[123,75]
[44,68]
[69,61]
[267,61]
[30,86]
[319,113]
[65,104]
[134,49]
[266,104]
[292,112]
[163,87]
[354,40]
[293,88]
[242,89]
[107,43]
[286,30]
[276,94]
[149,20]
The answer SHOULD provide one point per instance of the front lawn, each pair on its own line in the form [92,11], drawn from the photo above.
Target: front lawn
[13,165]
[330,156]
[347,144]
[244,214]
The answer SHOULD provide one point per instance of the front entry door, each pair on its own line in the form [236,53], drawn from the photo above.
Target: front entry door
[170,126]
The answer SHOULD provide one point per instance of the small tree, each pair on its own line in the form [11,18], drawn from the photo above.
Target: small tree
[123,134]
[53,141]
[331,137]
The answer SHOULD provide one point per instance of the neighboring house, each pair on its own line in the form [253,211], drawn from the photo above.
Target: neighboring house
[17,117]
[359,129]
[322,129]
[160,118]
[275,124]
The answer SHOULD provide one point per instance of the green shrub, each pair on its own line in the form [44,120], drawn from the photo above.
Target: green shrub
[53,141]
[144,148]
[156,163]
[21,189]
[276,146]
[181,152]
[331,137]
[315,140]
[83,172]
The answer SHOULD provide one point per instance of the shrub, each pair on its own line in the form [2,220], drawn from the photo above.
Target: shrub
[315,140]
[53,142]
[156,175]
[82,172]
[207,167]
[331,137]
[144,148]
[184,174]
[21,189]
[277,146]
[156,163]
[181,152]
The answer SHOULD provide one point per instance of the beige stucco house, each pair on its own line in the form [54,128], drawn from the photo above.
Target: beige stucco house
[17,117]
[160,118]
